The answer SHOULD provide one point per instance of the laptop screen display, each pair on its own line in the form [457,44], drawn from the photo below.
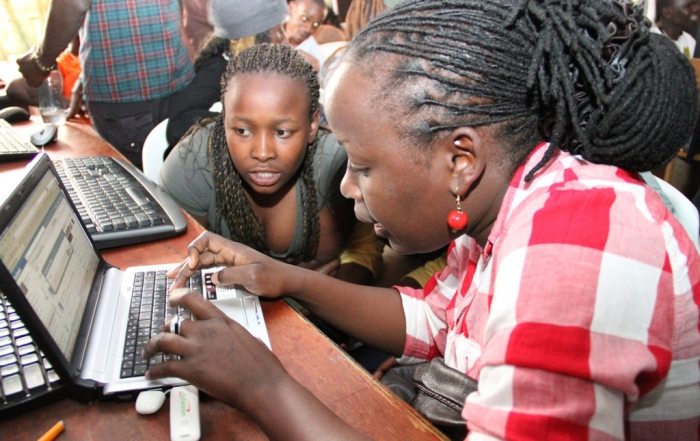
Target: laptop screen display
[51,258]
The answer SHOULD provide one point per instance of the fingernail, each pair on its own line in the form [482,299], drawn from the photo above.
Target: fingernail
[215,278]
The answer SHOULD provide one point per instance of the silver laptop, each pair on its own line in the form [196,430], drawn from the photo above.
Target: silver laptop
[89,318]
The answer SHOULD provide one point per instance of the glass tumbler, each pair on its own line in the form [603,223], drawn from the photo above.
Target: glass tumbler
[53,106]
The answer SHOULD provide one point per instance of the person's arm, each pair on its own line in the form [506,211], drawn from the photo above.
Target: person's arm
[361,259]
[370,314]
[77,106]
[420,276]
[222,359]
[194,101]
[63,23]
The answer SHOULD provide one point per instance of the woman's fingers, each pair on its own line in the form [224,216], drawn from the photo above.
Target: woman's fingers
[163,343]
[200,308]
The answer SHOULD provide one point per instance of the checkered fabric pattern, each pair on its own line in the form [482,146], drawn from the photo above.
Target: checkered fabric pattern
[579,316]
[132,50]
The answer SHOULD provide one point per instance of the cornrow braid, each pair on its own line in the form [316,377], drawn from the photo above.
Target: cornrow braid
[585,75]
[231,202]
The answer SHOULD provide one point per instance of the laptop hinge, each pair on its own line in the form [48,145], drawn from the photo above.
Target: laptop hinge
[86,326]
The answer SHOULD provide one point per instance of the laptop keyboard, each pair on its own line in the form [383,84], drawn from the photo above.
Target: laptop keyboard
[24,370]
[115,206]
[147,313]
[12,145]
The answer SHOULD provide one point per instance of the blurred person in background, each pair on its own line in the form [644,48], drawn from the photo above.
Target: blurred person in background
[133,58]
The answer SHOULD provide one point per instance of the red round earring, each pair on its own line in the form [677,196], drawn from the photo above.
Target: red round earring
[457,219]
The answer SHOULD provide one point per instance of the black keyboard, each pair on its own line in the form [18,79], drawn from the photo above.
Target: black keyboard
[147,312]
[27,379]
[117,203]
[12,145]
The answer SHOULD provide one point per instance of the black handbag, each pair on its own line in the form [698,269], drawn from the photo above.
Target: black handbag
[435,390]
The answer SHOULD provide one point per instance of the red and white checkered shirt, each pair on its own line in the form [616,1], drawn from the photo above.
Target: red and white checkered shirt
[580,317]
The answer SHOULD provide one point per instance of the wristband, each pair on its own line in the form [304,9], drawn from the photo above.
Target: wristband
[37,62]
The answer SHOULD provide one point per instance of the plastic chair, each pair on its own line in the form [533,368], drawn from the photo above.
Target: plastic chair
[153,150]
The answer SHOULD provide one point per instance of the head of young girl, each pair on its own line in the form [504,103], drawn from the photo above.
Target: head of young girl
[270,116]
[440,101]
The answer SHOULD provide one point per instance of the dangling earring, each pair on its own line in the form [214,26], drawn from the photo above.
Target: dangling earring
[457,219]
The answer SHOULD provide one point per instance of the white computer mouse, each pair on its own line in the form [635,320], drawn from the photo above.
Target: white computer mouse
[45,135]
[149,401]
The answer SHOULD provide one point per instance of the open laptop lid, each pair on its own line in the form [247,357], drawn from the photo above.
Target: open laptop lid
[50,271]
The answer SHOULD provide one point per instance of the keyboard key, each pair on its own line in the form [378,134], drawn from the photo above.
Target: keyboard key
[52,376]
[12,385]
[24,340]
[26,349]
[9,369]
[34,376]
[27,359]
[8,359]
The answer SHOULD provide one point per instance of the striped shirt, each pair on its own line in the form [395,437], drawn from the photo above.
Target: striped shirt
[579,317]
[132,50]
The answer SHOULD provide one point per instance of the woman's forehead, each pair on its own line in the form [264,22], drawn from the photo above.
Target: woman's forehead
[354,82]
[271,77]
[251,84]
[349,90]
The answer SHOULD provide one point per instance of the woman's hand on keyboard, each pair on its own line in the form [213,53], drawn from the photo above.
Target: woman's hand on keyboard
[256,272]
[211,349]
[222,359]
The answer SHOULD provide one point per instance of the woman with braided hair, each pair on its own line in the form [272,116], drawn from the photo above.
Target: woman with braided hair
[514,131]
[237,25]
[263,173]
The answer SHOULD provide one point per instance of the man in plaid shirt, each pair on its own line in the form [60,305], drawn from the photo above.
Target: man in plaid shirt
[134,61]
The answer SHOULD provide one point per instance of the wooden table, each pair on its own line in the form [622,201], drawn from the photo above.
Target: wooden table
[308,355]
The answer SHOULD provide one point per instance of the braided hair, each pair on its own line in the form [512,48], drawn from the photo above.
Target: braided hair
[585,75]
[231,202]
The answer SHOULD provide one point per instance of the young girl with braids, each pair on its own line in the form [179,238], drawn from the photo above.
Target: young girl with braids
[237,25]
[264,174]
[515,131]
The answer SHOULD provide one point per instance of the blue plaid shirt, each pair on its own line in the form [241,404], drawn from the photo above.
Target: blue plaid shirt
[132,50]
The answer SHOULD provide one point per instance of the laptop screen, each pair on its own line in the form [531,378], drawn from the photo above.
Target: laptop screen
[50,257]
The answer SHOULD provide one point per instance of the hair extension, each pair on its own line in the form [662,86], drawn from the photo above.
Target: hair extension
[231,201]
[585,75]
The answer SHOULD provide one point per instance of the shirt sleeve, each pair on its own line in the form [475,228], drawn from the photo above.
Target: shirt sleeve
[186,173]
[426,309]
[194,101]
